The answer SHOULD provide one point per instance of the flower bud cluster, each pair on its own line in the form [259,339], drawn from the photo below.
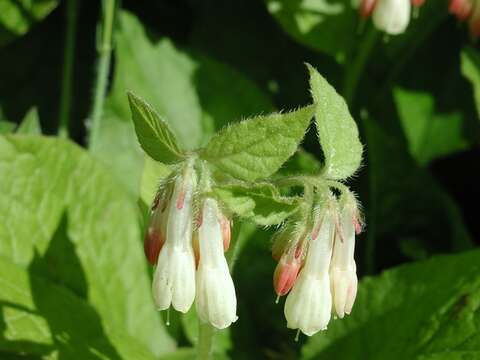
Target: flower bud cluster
[188,251]
[317,268]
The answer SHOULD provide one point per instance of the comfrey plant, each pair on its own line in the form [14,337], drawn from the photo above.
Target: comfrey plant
[237,175]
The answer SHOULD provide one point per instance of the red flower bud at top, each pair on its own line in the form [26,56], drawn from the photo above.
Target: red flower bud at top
[286,273]
[366,7]
[418,3]
[460,8]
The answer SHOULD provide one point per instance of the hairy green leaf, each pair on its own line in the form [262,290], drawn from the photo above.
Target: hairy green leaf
[337,131]
[256,148]
[428,310]
[260,203]
[6,127]
[64,207]
[41,318]
[429,134]
[153,133]
[192,93]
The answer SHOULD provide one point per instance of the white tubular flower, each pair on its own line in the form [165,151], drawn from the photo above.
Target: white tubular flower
[174,279]
[392,16]
[216,301]
[309,304]
[343,268]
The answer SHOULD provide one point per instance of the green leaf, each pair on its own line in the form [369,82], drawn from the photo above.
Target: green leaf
[30,123]
[470,59]
[429,134]
[221,341]
[309,22]
[153,173]
[427,310]
[6,127]
[18,16]
[42,318]
[153,133]
[193,94]
[53,185]
[337,131]
[256,148]
[260,203]
[301,162]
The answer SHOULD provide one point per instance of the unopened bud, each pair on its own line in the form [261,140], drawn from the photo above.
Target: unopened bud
[155,234]
[152,245]
[285,274]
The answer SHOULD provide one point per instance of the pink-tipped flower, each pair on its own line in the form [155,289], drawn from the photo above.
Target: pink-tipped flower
[174,278]
[343,269]
[460,8]
[308,306]
[216,300]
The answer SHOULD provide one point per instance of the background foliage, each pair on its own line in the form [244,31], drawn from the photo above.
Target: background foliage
[74,283]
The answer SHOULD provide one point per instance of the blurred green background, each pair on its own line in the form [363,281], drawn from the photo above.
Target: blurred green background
[73,281]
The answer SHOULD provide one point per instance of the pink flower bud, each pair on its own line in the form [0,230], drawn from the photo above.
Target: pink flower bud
[285,274]
[460,8]
[155,234]
[366,7]
[153,244]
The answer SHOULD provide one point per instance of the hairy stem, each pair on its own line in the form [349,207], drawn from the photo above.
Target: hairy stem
[67,72]
[104,53]
[205,341]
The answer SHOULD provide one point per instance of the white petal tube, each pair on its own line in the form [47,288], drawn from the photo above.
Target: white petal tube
[343,268]
[392,16]
[174,279]
[216,301]
[309,304]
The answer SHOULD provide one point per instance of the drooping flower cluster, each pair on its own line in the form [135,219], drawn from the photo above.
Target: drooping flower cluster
[317,267]
[389,16]
[467,10]
[188,251]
